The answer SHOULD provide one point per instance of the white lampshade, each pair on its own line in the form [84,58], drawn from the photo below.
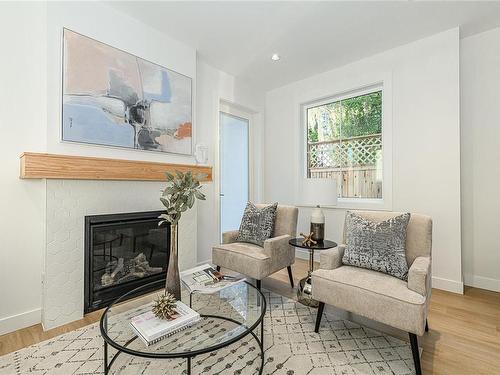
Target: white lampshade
[317,191]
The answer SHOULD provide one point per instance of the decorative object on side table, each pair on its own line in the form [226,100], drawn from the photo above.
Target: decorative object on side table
[318,192]
[164,306]
[304,291]
[179,195]
[318,224]
[308,241]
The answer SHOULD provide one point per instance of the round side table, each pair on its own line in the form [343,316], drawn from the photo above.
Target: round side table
[304,291]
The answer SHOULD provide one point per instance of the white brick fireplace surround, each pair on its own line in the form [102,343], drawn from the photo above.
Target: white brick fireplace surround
[68,202]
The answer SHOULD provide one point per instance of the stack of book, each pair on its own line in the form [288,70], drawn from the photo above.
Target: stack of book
[151,329]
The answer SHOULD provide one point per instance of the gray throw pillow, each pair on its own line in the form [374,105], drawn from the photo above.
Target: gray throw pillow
[257,225]
[377,246]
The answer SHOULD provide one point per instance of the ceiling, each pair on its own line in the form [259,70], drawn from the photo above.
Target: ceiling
[311,37]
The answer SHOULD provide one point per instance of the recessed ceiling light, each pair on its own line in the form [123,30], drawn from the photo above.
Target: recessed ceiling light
[275,57]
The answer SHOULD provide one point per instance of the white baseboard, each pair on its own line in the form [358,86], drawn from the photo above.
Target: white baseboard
[15,322]
[482,282]
[448,285]
[209,261]
[304,254]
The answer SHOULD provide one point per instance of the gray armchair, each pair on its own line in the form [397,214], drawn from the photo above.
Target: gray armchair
[259,262]
[378,296]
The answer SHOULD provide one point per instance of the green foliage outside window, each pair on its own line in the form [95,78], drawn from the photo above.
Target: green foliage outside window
[353,117]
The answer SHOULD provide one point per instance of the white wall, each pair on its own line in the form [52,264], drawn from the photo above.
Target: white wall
[213,86]
[23,128]
[426,174]
[31,97]
[480,98]
[426,143]
[67,204]
[32,73]
[119,30]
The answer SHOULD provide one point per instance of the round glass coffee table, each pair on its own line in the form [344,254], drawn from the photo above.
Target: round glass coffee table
[304,291]
[227,316]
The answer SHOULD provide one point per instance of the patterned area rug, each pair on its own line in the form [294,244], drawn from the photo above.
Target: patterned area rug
[291,348]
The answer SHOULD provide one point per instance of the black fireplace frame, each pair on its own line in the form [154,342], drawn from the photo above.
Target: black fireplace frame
[92,301]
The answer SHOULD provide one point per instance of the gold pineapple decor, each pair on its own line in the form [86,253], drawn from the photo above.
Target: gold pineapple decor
[164,306]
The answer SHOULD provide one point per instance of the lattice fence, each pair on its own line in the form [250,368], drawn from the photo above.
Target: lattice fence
[356,151]
[351,162]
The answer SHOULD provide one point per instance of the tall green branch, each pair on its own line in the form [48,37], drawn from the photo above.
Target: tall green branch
[182,190]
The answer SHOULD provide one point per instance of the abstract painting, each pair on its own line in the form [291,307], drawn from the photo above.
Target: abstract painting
[113,98]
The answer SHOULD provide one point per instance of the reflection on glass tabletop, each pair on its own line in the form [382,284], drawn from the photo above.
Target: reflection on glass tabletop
[241,303]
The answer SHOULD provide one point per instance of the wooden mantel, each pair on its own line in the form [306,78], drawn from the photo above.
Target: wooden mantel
[38,165]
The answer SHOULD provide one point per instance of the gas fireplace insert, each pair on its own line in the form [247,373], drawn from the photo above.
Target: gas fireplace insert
[123,251]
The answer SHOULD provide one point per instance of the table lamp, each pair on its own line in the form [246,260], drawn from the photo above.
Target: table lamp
[317,192]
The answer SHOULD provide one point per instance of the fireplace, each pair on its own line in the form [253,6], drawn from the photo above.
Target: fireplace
[122,252]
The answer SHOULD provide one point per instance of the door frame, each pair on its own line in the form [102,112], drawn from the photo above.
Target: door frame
[246,113]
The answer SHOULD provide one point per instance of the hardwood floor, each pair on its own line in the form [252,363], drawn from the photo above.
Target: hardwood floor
[464,336]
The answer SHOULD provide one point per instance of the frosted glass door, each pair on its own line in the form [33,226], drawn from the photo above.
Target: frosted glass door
[233,170]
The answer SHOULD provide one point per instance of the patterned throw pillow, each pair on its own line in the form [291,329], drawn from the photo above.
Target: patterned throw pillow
[377,246]
[257,225]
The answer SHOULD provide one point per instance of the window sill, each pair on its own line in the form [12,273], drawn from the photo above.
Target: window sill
[364,204]
[357,204]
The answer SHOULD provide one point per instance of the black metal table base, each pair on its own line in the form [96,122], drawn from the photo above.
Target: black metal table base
[107,367]
[249,330]
[304,291]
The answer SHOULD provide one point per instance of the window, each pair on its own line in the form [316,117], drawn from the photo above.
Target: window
[344,142]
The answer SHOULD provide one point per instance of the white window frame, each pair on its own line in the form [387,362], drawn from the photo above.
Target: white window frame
[385,203]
